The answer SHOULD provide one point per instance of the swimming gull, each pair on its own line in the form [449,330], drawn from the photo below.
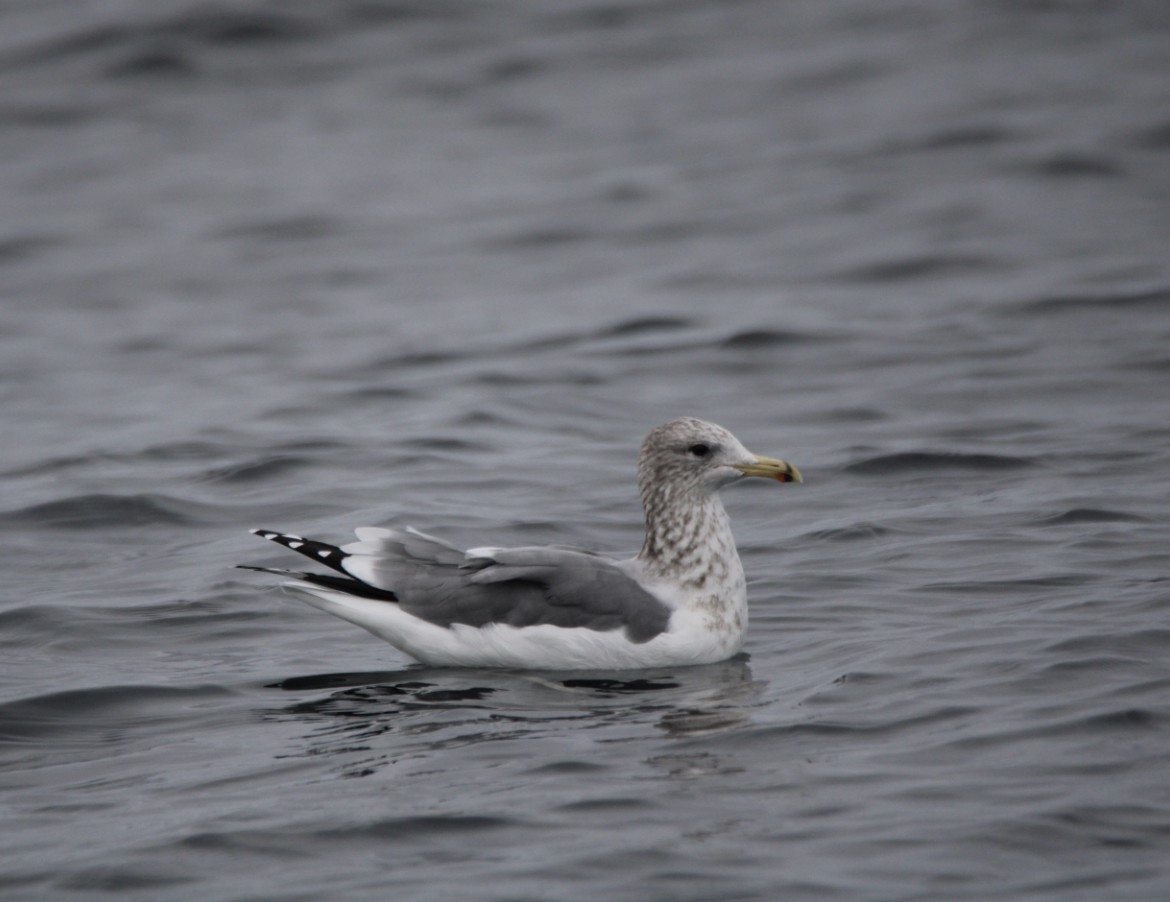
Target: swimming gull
[682,600]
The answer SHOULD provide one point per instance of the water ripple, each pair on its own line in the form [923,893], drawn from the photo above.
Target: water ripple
[94,511]
[932,461]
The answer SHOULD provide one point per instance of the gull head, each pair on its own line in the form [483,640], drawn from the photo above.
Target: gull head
[689,457]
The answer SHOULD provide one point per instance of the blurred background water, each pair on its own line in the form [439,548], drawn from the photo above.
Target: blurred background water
[312,266]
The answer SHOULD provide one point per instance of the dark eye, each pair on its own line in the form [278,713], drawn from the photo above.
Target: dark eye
[699,450]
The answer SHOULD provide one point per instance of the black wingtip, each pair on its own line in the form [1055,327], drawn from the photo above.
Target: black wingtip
[329,555]
[321,552]
[348,585]
[295,574]
[275,536]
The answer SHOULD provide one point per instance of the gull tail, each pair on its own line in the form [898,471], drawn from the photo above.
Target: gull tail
[331,556]
[323,553]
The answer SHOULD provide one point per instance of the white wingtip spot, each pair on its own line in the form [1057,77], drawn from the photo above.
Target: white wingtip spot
[325,552]
[295,545]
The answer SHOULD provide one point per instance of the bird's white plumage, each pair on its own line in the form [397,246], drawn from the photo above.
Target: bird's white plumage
[540,647]
[682,600]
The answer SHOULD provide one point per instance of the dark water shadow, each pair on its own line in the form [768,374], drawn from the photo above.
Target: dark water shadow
[371,718]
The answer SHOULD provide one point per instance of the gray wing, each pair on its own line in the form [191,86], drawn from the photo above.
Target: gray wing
[439,583]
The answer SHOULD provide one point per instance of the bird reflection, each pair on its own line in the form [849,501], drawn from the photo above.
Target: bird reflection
[369,718]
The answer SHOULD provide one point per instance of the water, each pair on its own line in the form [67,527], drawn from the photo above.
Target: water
[311,267]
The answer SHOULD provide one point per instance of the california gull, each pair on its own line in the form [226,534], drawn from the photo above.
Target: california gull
[682,600]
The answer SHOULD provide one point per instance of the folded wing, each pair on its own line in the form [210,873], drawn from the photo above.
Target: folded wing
[529,586]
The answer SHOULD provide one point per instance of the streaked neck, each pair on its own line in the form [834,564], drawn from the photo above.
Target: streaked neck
[689,540]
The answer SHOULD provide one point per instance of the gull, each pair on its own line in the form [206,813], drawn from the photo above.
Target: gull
[682,600]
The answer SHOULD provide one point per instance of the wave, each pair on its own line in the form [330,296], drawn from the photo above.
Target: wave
[97,510]
[1108,301]
[933,461]
[1090,515]
[103,708]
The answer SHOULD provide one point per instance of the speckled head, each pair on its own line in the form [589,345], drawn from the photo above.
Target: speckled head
[689,456]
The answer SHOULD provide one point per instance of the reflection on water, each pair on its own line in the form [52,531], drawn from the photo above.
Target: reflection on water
[439,708]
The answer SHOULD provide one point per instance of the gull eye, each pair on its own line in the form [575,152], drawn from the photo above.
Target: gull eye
[699,450]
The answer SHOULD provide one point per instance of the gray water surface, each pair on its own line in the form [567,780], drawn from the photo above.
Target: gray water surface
[316,266]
